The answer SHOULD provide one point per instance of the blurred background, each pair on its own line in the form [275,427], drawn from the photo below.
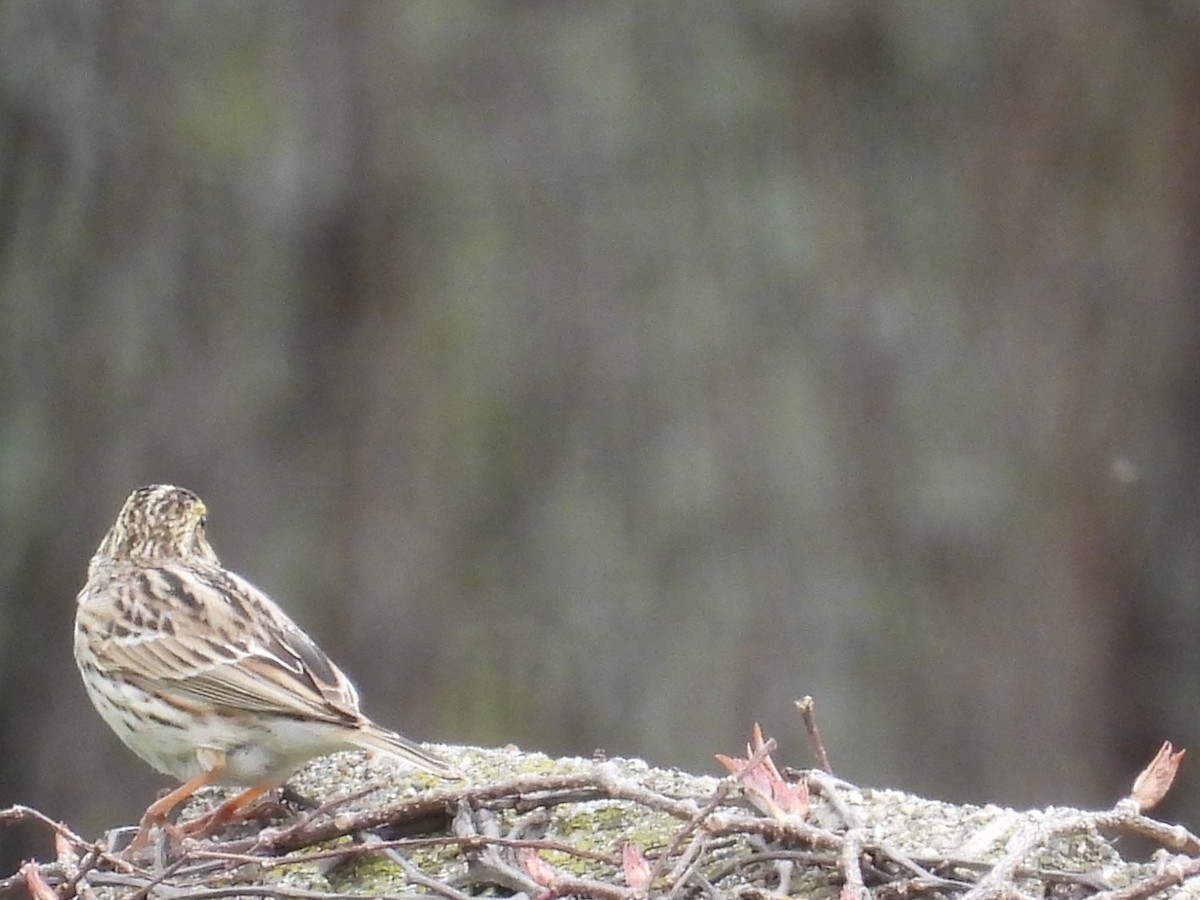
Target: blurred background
[613,374]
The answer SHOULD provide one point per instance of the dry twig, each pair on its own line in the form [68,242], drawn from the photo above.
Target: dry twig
[509,833]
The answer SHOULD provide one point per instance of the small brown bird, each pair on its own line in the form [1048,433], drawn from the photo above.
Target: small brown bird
[200,674]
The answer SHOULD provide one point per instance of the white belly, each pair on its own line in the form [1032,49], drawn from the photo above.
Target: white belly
[257,750]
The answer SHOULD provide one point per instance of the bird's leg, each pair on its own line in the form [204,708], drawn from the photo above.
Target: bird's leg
[229,811]
[156,813]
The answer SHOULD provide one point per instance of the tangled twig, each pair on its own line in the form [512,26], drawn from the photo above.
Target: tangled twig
[749,830]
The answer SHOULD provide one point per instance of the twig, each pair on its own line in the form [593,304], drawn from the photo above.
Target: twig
[829,786]
[18,812]
[1123,817]
[1176,873]
[854,887]
[693,859]
[807,707]
[280,892]
[158,879]
[804,858]
[415,875]
[692,822]
[687,865]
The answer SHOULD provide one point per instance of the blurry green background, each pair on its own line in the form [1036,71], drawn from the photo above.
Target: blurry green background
[612,374]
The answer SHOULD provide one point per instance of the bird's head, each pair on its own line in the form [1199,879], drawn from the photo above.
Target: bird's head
[159,522]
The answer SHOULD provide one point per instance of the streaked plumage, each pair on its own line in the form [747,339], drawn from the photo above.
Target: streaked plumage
[198,671]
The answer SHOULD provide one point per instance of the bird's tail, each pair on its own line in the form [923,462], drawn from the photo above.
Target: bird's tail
[371,737]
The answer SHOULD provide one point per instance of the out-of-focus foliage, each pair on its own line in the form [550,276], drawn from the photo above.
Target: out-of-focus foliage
[613,374]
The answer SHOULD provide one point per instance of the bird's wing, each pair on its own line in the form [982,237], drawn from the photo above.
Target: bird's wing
[200,634]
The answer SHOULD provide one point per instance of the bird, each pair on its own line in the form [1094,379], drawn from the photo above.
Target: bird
[201,674]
